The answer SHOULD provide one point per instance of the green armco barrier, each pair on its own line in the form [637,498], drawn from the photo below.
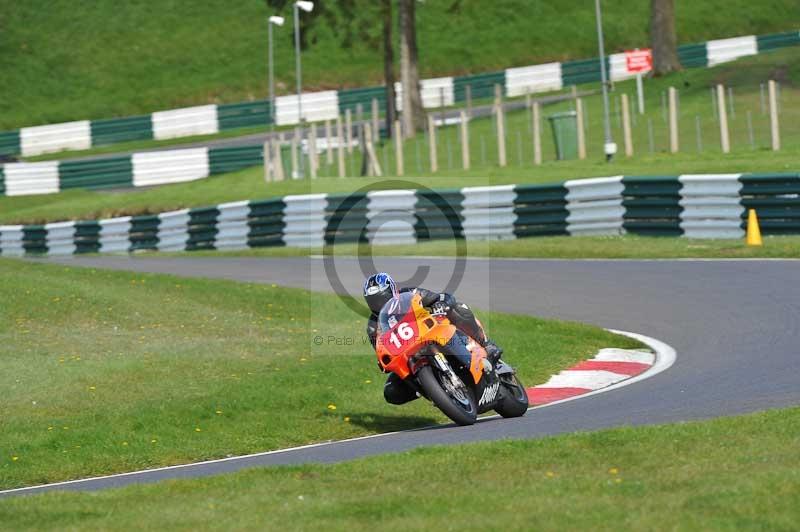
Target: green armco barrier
[778,40]
[2,182]
[585,71]
[144,232]
[346,217]
[34,240]
[438,214]
[652,205]
[100,173]
[10,143]
[115,130]
[693,55]
[350,98]
[223,160]
[776,199]
[266,223]
[482,85]
[247,114]
[87,237]
[541,210]
[202,228]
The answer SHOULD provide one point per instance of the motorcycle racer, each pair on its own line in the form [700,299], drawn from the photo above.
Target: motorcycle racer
[380,288]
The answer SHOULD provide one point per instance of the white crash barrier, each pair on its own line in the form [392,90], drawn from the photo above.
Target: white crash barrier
[173,230]
[11,240]
[232,226]
[317,106]
[595,206]
[724,50]
[55,137]
[23,179]
[185,122]
[391,217]
[435,92]
[115,235]
[711,206]
[61,238]
[488,212]
[530,79]
[171,166]
[304,217]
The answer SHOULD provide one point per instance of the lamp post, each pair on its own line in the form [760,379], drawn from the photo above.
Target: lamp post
[277,21]
[610,147]
[306,6]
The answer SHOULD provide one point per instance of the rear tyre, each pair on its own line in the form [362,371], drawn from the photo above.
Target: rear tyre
[459,405]
[515,398]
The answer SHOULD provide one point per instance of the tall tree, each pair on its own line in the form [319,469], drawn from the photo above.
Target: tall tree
[662,37]
[413,113]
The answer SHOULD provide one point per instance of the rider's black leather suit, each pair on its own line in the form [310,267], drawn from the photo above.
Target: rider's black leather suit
[395,390]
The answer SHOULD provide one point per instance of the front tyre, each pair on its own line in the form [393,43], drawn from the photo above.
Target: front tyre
[457,404]
[515,398]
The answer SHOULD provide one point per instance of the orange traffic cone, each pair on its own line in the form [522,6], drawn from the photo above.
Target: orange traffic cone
[753,231]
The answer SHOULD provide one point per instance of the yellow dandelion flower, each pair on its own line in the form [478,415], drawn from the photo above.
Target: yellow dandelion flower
[367,381]
[92,388]
[331,406]
[153,440]
[219,412]
[613,471]
[49,428]
[15,458]
[617,480]
[550,474]
[197,429]
[124,444]
[347,420]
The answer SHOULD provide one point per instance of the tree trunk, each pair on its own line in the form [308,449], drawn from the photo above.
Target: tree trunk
[662,37]
[413,113]
[388,65]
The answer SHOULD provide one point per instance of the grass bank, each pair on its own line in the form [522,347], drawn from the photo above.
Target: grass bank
[738,473]
[105,372]
[138,57]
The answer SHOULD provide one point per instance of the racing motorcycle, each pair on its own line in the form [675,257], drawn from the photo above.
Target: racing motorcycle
[422,347]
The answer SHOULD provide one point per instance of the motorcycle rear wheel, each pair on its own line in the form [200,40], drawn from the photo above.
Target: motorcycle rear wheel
[515,398]
[462,412]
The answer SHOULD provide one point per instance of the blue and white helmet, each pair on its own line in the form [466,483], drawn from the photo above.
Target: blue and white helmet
[378,289]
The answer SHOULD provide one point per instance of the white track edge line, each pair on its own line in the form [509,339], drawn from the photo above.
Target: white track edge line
[665,357]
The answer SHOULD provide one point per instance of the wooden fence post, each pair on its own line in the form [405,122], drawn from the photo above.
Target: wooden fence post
[328,146]
[537,133]
[312,151]
[277,159]
[340,145]
[464,141]
[267,162]
[432,145]
[398,149]
[673,121]
[773,116]
[626,126]
[295,143]
[376,128]
[581,130]
[501,136]
[348,130]
[723,120]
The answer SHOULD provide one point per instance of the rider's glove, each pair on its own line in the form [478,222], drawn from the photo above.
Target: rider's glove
[439,309]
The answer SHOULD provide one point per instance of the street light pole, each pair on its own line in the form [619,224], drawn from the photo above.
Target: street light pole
[307,7]
[610,147]
[278,21]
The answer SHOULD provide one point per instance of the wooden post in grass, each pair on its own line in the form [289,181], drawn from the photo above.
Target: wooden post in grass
[464,141]
[468,91]
[581,130]
[773,116]
[340,145]
[267,163]
[626,126]
[295,143]
[498,94]
[501,135]
[673,120]
[313,161]
[348,130]
[537,134]
[372,159]
[723,120]
[328,145]
[277,160]
[376,128]
[432,145]
[398,149]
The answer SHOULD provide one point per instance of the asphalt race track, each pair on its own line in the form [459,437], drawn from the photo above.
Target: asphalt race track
[734,325]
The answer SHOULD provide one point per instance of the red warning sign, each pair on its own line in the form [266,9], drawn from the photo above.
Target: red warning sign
[639,60]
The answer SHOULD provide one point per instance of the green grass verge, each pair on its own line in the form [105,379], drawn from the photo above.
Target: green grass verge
[139,58]
[695,101]
[555,247]
[107,372]
[737,473]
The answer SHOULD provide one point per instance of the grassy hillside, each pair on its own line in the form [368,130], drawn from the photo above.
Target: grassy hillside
[744,76]
[64,60]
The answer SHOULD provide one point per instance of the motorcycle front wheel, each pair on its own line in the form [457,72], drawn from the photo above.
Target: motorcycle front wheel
[515,398]
[457,404]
